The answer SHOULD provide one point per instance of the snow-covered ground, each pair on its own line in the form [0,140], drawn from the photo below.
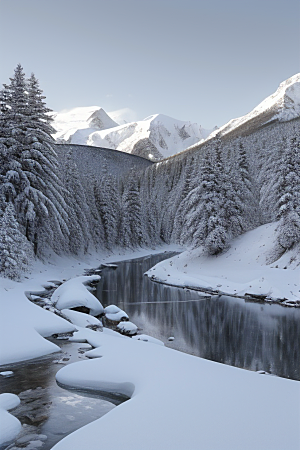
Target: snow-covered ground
[162,136]
[244,268]
[178,401]
[24,325]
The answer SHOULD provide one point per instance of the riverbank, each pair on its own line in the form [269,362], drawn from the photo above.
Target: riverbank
[245,270]
[24,325]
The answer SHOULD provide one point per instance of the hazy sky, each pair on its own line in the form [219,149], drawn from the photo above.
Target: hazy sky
[207,61]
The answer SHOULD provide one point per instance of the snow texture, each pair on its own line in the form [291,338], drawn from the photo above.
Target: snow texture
[10,425]
[178,401]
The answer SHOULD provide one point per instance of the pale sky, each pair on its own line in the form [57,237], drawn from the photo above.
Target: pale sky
[206,61]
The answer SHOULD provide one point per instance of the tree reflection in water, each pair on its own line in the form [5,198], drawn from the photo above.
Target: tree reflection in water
[224,329]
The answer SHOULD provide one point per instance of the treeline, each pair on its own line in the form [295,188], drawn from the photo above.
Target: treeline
[203,197]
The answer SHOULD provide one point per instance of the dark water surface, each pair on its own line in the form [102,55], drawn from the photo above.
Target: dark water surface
[224,329]
[46,409]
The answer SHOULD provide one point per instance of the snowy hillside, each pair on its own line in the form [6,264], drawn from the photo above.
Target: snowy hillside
[247,267]
[156,137]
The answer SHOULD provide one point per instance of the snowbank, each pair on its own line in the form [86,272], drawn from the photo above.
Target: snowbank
[10,425]
[74,293]
[24,325]
[178,401]
[242,269]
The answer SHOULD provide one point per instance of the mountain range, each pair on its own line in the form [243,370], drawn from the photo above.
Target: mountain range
[159,136]
[156,137]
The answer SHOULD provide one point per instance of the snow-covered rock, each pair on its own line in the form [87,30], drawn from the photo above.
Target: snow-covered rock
[74,293]
[115,314]
[81,319]
[111,309]
[127,328]
[10,425]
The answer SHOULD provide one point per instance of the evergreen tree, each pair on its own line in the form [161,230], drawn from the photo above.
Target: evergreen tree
[30,176]
[132,233]
[108,205]
[288,206]
[78,213]
[15,251]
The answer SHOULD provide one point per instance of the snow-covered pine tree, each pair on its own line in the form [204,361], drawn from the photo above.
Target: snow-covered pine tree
[288,206]
[35,188]
[269,178]
[132,230]
[108,204]
[218,215]
[78,214]
[187,201]
[16,252]
[151,204]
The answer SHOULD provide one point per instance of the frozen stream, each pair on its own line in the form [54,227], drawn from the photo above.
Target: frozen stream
[225,329]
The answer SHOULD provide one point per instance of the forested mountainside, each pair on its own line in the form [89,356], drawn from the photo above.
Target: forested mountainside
[224,187]
[202,197]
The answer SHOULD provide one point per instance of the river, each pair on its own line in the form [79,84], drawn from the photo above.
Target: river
[249,335]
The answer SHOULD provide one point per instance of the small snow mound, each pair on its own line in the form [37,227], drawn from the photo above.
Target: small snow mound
[74,293]
[10,425]
[117,317]
[127,328]
[81,319]
[111,309]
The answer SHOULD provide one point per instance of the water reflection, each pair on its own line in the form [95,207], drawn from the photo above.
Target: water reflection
[224,329]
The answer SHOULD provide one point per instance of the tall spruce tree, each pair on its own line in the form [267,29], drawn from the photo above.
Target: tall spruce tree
[288,206]
[132,230]
[30,179]
[108,205]
[16,253]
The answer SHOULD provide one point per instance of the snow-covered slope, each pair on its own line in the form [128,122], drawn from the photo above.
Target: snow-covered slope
[156,137]
[82,121]
[283,105]
[249,266]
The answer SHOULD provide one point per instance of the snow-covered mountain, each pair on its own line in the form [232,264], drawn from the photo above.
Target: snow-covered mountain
[156,137]
[81,120]
[282,106]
